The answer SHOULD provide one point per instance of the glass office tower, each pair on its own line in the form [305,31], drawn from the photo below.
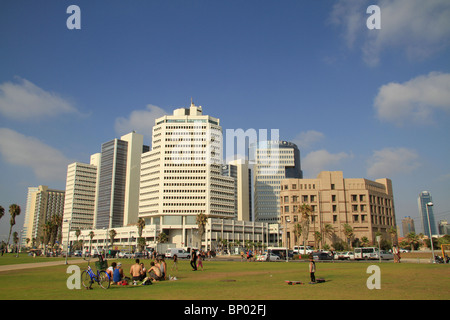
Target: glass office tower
[424,198]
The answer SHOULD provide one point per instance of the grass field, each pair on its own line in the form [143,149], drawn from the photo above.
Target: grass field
[234,280]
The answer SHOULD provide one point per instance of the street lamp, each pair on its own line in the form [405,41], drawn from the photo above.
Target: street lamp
[286,220]
[430,204]
[68,234]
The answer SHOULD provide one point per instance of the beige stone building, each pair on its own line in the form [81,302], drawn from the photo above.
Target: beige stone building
[367,206]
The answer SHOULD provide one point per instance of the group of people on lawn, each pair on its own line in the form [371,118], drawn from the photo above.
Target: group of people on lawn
[138,272]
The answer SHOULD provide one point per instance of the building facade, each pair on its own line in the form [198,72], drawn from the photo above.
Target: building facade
[42,204]
[364,205]
[80,200]
[424,199]
[273,162]
[408,226]
[181,177]
[239,170]
[118,185]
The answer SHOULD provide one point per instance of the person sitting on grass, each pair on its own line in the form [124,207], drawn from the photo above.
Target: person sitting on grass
[117,273]
[136,271]
[110,270]
[154,273]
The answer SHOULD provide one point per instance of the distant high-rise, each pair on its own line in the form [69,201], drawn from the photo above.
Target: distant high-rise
[273,161]
[118,185]
[408,226]
[42,204]
[423,200]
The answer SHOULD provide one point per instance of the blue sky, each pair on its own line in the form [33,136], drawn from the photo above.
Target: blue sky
[371,103]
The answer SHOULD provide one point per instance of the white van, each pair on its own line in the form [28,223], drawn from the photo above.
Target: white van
[180,252]
[301,249]
[366,253]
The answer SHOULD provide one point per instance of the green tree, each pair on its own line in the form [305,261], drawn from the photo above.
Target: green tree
[413,240]
[162,238]
[348,232]
[393,232]
[112,236]
[141,240]
[297,233]
[14,211]
[364,241]
[328,231]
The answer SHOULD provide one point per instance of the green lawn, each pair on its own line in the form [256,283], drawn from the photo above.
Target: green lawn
[229,280]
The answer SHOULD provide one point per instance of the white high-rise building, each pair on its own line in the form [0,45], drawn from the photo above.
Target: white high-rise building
[181,177]
[80,201]
[42,204]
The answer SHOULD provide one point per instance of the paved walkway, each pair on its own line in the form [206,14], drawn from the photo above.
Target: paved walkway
[21,266]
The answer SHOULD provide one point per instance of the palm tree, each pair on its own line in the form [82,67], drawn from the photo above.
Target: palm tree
[91,235]
[14,211]
[297,232]
[393,232]
[317,238]
[413,239]
[201,223]
[57,223]
[47,229]
[364,241]
[112,235]
[77,233]
[305,210]
[328,231]
[2,212]
[348,232]
[141,240]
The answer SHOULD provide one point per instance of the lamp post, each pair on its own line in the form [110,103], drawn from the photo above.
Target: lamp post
[286,220]
[430,204]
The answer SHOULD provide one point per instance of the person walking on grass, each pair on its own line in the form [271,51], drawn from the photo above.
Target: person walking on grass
[175,259]
[200,262]
[193,260]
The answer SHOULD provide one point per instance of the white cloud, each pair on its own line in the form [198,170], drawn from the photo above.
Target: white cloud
[322,160]
[415,100]
[392,161]
[24,101]
[305,140]
[46,162]
[419,28]
[141,121]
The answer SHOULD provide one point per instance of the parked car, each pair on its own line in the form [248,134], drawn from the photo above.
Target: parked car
[339,256]
[180,252]
[272,257]
[403,250]
[349,255]
[77,253]
[386,255]
[322,256]
[126,255]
